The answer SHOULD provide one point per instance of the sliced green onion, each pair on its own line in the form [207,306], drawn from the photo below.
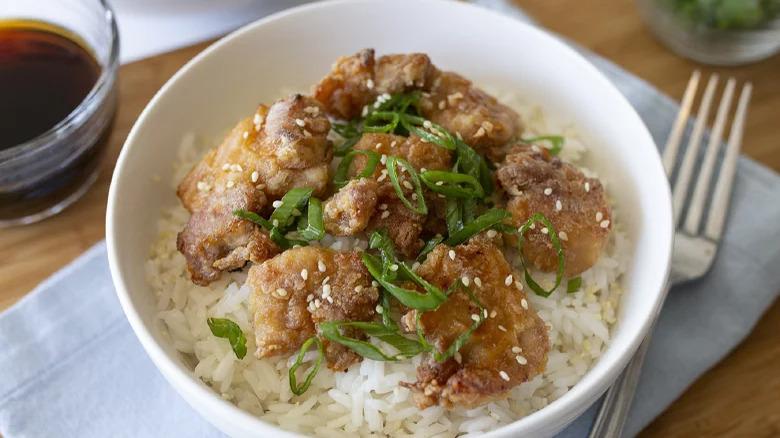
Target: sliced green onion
[293,384]
[472,164]
[310,226]
[340,179]
[454,216]
[485,220]
[406,347]
[283,241]
[463,338]
[253,217]
[412,124]
[380,240]
[574,285]
[558,250]
[372,123]
[408,297]
[450,181]
[392,173]
[485,177]
[428,247]
[227,329]
[294,199]
[386,319]
[557,142]
[345,147]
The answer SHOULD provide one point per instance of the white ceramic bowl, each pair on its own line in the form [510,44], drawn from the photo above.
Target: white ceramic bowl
[296,47]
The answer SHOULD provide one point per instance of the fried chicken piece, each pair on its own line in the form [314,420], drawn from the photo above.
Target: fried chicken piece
[283,314]
[404,225]
[575,205]
[509,347]
[348,211]
[461,108]
[448,99]
[281,147]
[355,81]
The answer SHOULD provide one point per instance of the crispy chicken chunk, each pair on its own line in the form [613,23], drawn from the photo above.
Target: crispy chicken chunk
[349,210]
[575,205]
[404,225]
[448,99]
[509,347]
[263,157]
[303,286]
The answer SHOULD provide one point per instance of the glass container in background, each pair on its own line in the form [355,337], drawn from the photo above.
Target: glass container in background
[50,153]
[719,32]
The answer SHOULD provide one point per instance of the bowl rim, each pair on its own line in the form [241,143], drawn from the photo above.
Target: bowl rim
[567,407]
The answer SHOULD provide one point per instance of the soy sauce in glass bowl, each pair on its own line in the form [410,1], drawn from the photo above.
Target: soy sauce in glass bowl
[58,63]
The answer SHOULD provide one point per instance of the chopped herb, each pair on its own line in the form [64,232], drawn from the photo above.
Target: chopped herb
[558,251]
[310,226]
[227,329]
[486,220]
[406,347]
[291,373]
[574,285]
[451,181]
[556,142]
[340,178]
[392,173]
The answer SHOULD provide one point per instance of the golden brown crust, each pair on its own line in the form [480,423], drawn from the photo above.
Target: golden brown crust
[261,159]
[525,175]
[493,347]
[284,321]
[349,210]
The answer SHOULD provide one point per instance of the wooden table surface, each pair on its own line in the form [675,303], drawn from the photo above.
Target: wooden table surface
[739,397]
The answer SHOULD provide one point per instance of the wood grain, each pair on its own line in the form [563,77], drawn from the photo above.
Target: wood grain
[738,397]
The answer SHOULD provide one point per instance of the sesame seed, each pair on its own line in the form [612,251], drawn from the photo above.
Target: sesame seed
[545,230]
[508,280]
[257,120]
[441,196]
[311,110]
[493,314]
[519,285]
[516,350]
[226,166]
[317,302]
[599,216]
[548,191]
[393,267]
[230,184]
[604,224]
[306,133]
[504,375]
[414,196]
[369,84]
[535,148]
[255,176]
[281,292]
[325,290]
[277,204]
[408,185]
[457,356]
[304,273]
[358,288]
[466,280]
[383,159]
[245,135]
[533,226]
[484,313]
[201,185]
[330,299]
[558,205]
[393,143]
[379,309]
[452,255]
[439,183]
[365,111]
[457,134]
[492,233]
[478,281]
[385,214]
[309,297]
[475,317]
[427,124]
[502,328]
[563,235]
[382,176]
[521,360]
[374,283]
[442,104]
[321,266]
[326,280]
[275,222]
[300,122]
[415,265]
[587,186]
[524,304]
[488,126]
[480,132]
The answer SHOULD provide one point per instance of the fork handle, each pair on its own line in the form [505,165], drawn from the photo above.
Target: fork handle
[614,411]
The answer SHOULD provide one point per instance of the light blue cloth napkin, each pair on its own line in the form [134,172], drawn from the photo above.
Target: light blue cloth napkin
[70,366]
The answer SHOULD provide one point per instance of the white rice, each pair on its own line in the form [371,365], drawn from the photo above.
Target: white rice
[366,401]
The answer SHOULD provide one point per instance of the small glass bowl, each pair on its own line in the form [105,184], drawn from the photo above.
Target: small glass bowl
[42,176]
[699,39]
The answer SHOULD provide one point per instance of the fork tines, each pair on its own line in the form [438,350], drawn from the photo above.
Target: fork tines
[696,201]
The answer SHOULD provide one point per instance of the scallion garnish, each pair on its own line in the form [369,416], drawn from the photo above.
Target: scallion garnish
[227,329]
[253,217]
[556,142]
[407,348]
[340,179]
[408,297]
[574,285]
[294,199]
[484,221]
[392,173]
[384,122]
[558,250]
[428,247]
[291,373]
[450,184]
[387,320]
[310,226]
[463,338]
[283,242]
